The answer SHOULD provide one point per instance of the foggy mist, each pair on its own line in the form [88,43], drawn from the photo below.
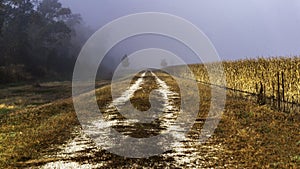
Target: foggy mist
[238,29]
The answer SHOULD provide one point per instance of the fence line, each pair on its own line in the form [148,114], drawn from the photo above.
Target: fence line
[278,101]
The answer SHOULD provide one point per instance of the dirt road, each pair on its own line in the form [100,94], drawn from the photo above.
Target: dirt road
[82,152]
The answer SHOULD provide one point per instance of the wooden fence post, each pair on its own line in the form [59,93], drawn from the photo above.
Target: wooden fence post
[278,90]
[273,94]
[256,88]
[282,84]
[292,102]
[282,81]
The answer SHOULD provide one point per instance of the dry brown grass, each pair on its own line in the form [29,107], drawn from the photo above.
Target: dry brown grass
[27,133]
[258,137]
[30,124]
[254,136]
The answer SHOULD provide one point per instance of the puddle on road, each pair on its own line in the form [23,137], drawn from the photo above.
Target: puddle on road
[82,152]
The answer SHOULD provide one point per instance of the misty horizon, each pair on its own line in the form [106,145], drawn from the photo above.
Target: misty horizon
[238,30]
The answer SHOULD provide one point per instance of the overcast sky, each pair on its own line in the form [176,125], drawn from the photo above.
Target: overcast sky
[237,28]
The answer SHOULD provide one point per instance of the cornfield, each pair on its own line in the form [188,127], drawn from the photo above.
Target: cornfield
[248,75]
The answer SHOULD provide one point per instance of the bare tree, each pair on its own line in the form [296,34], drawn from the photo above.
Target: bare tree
[163,63]
[125,61]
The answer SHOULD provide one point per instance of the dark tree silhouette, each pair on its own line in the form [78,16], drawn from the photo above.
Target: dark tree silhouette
[164,63]
[39,35]
[125,61]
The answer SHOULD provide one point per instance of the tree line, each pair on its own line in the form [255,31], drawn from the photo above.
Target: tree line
[38,39]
